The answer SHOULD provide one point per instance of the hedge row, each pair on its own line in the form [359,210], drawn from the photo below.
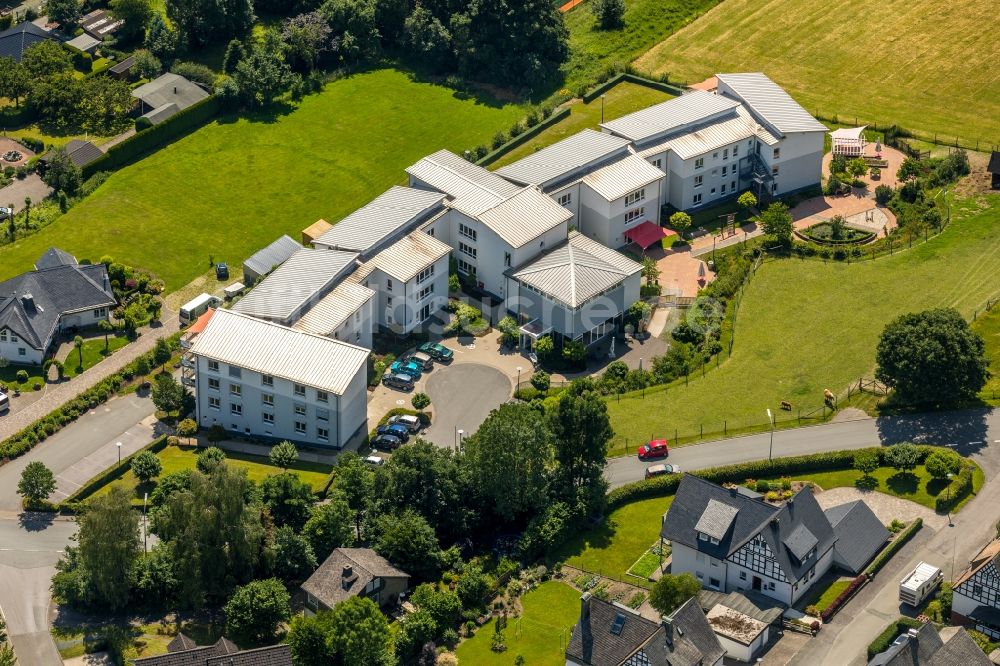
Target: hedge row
[530,133]
[154,137]
[595,92]
[885,639]
[882,558]
[112,473]
[827,613]
[957,490]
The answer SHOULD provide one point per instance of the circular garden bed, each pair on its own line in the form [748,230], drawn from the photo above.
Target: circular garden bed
[825,233]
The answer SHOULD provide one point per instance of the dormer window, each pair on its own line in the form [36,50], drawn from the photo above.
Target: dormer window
[705,537]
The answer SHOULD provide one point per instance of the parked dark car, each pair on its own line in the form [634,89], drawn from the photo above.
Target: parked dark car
[398,381]
[386,442]
[439,353]
[222,271]
[399,431]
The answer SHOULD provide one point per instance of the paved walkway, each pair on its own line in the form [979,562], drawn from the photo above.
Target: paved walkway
[30,186]
[886,507]
[56,395]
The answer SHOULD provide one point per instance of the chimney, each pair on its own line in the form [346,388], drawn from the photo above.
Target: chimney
[175,90]
[913,633]
[668,632]
[348,571]
[733,492]
[585,607]
[28,301]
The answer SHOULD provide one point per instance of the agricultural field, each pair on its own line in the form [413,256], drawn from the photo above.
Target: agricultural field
[805,326]
[235,185]
[988,326]
[921,64]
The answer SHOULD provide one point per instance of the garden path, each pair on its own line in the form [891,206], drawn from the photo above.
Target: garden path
[886,507]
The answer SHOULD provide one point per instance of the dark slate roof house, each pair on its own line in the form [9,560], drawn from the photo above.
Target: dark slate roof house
[165,95]
[14,41]
[183,651]
[55,257]
[609,634]
[860,535]
[924,647]
[80,152]
[353,572]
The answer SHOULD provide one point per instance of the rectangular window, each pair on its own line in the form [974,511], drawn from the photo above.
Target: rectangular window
[714,582]
[388,284]
[506,259]
[725,154]
[724,170]
[213,383]
[424,293]
[635,214]
[715,155]
[213,402]
[736,150]
[774,170]
[697,199]
[770,586]
[565,199]
[3,335]
[322,434]
[774,187]
[698,180]
[467,231]
[658,163]
[267,398]
[236,408]
[235,372]
[425,312]
[388,301]
[267,380]
[267,417]
[743,575]
[235,389]
[777,153]
[713,191]
[322,396]
[322,414]
[466,267]
[213,366]
[300,409]
[300,427]
[699,163]
[723,190]
[300,389]
[702,536]
[732,186]
[700,575]
[467,249]
[426,273]
[430,232]
[635,197]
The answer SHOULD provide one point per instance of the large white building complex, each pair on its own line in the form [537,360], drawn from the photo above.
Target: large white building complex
[539,237]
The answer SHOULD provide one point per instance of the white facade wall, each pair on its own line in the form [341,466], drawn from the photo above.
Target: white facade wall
[358,328]
[604,220]
[339,416]
[799,161]
[962,604]
[739,651]
[684,184]
[398,306]
[568,196]
[16,350]
[805,583]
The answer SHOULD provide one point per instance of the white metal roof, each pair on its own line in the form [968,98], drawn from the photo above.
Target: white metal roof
[299,279]
[390,212]
[404,258]
[272,349]
[524,217]
[335,308]
[712,136]
[564,158]
[670,116]
[620,178]
[273,255]
[770,102]
[920,575]
[472,188]
[577,270]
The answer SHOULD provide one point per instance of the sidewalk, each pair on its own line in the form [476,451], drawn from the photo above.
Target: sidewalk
[56,395]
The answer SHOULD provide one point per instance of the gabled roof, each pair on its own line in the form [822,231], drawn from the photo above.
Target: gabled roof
[273,655]
[161,113]
[684,638]
[182,651]
[860,534]
[716,519]
[82,153]
[100,23]
[800,541]
[272,349]
[565,158]
[273,255]
[618,179]
[700,139]
[14,41]
[988,555]
[671,116]
[405,258]
[170,89]
[752,604]
[393,212]
[181,642]
[53,292]
[593,642]
[55,257]
[84,42]
[769,102]
[471,188]
[303,277]
[331,583]
[523,217]
[576,271]
[927,649]
[123,66]
[336,307]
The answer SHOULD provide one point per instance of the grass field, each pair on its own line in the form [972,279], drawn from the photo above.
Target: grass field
[178,458]
[539,635]
[988,326]
[237,184]
[805,326]
[919,63]
[622,99]
[93,353]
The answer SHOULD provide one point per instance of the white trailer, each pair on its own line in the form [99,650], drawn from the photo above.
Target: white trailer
[919,584]
[197,307]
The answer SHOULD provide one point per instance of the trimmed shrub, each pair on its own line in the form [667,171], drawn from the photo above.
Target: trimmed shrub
[882,558]
[957,490]
[842,598]
[885,639]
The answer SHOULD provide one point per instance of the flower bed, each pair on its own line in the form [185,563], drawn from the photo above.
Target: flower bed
[822,233]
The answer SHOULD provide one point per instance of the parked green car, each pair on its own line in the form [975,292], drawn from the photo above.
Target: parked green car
[439,353]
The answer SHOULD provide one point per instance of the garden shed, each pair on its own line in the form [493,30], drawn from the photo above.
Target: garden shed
[266,260]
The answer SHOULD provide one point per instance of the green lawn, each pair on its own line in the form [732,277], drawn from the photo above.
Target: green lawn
[919,63]
[646,23]
[825,596]
[178,458]
[8,375]
[614,545]
[93,353]
[805,326]
[539,635]
[988,326]
[237,184]
[622,99]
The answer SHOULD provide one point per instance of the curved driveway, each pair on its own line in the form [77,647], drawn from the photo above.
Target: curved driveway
[463,395]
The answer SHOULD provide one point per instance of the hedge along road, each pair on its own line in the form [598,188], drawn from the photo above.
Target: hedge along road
[972,433]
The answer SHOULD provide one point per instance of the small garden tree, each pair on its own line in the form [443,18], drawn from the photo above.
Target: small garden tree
[777,222]
[257,609]
[509,331]
[882,195]
[866,463]
[574,352]
[209,459]
[421,401]
[106,328]
[541,380]
[637,313]
[681,222]
[671,591]
[283,455]
[187,429]
[168,395]
[904,457]
[610,14]
[857,167]
[747,201]
[145,466]
[940,464]
[36,484]
[544,347]
[78,345]
[161,352]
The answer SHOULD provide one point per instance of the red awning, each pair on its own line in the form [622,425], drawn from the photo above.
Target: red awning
[647,233]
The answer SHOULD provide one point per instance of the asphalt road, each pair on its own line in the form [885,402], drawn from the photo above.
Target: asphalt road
[967,431]
[471,391]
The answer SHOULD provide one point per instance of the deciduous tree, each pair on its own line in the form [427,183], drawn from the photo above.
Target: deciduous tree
[145,466]
[109,545]
[670,592]
[294,560]
[283,455]
[776,221]
[940,464]
[135,15]
[904,457]
[330,525]
[409,542]
[609,14]
[288,498]
[581,430]
[168,394]
[257,609]
[37,482]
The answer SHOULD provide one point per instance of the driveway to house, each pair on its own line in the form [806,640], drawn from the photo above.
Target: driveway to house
[464,395]
[30,186]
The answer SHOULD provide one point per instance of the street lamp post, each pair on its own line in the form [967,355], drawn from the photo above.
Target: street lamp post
[461,434]
[518,387]
[950,524]
[602,108]
[119,445]
[770,448]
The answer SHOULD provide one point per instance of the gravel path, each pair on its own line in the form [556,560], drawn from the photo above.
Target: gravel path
[886,507]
